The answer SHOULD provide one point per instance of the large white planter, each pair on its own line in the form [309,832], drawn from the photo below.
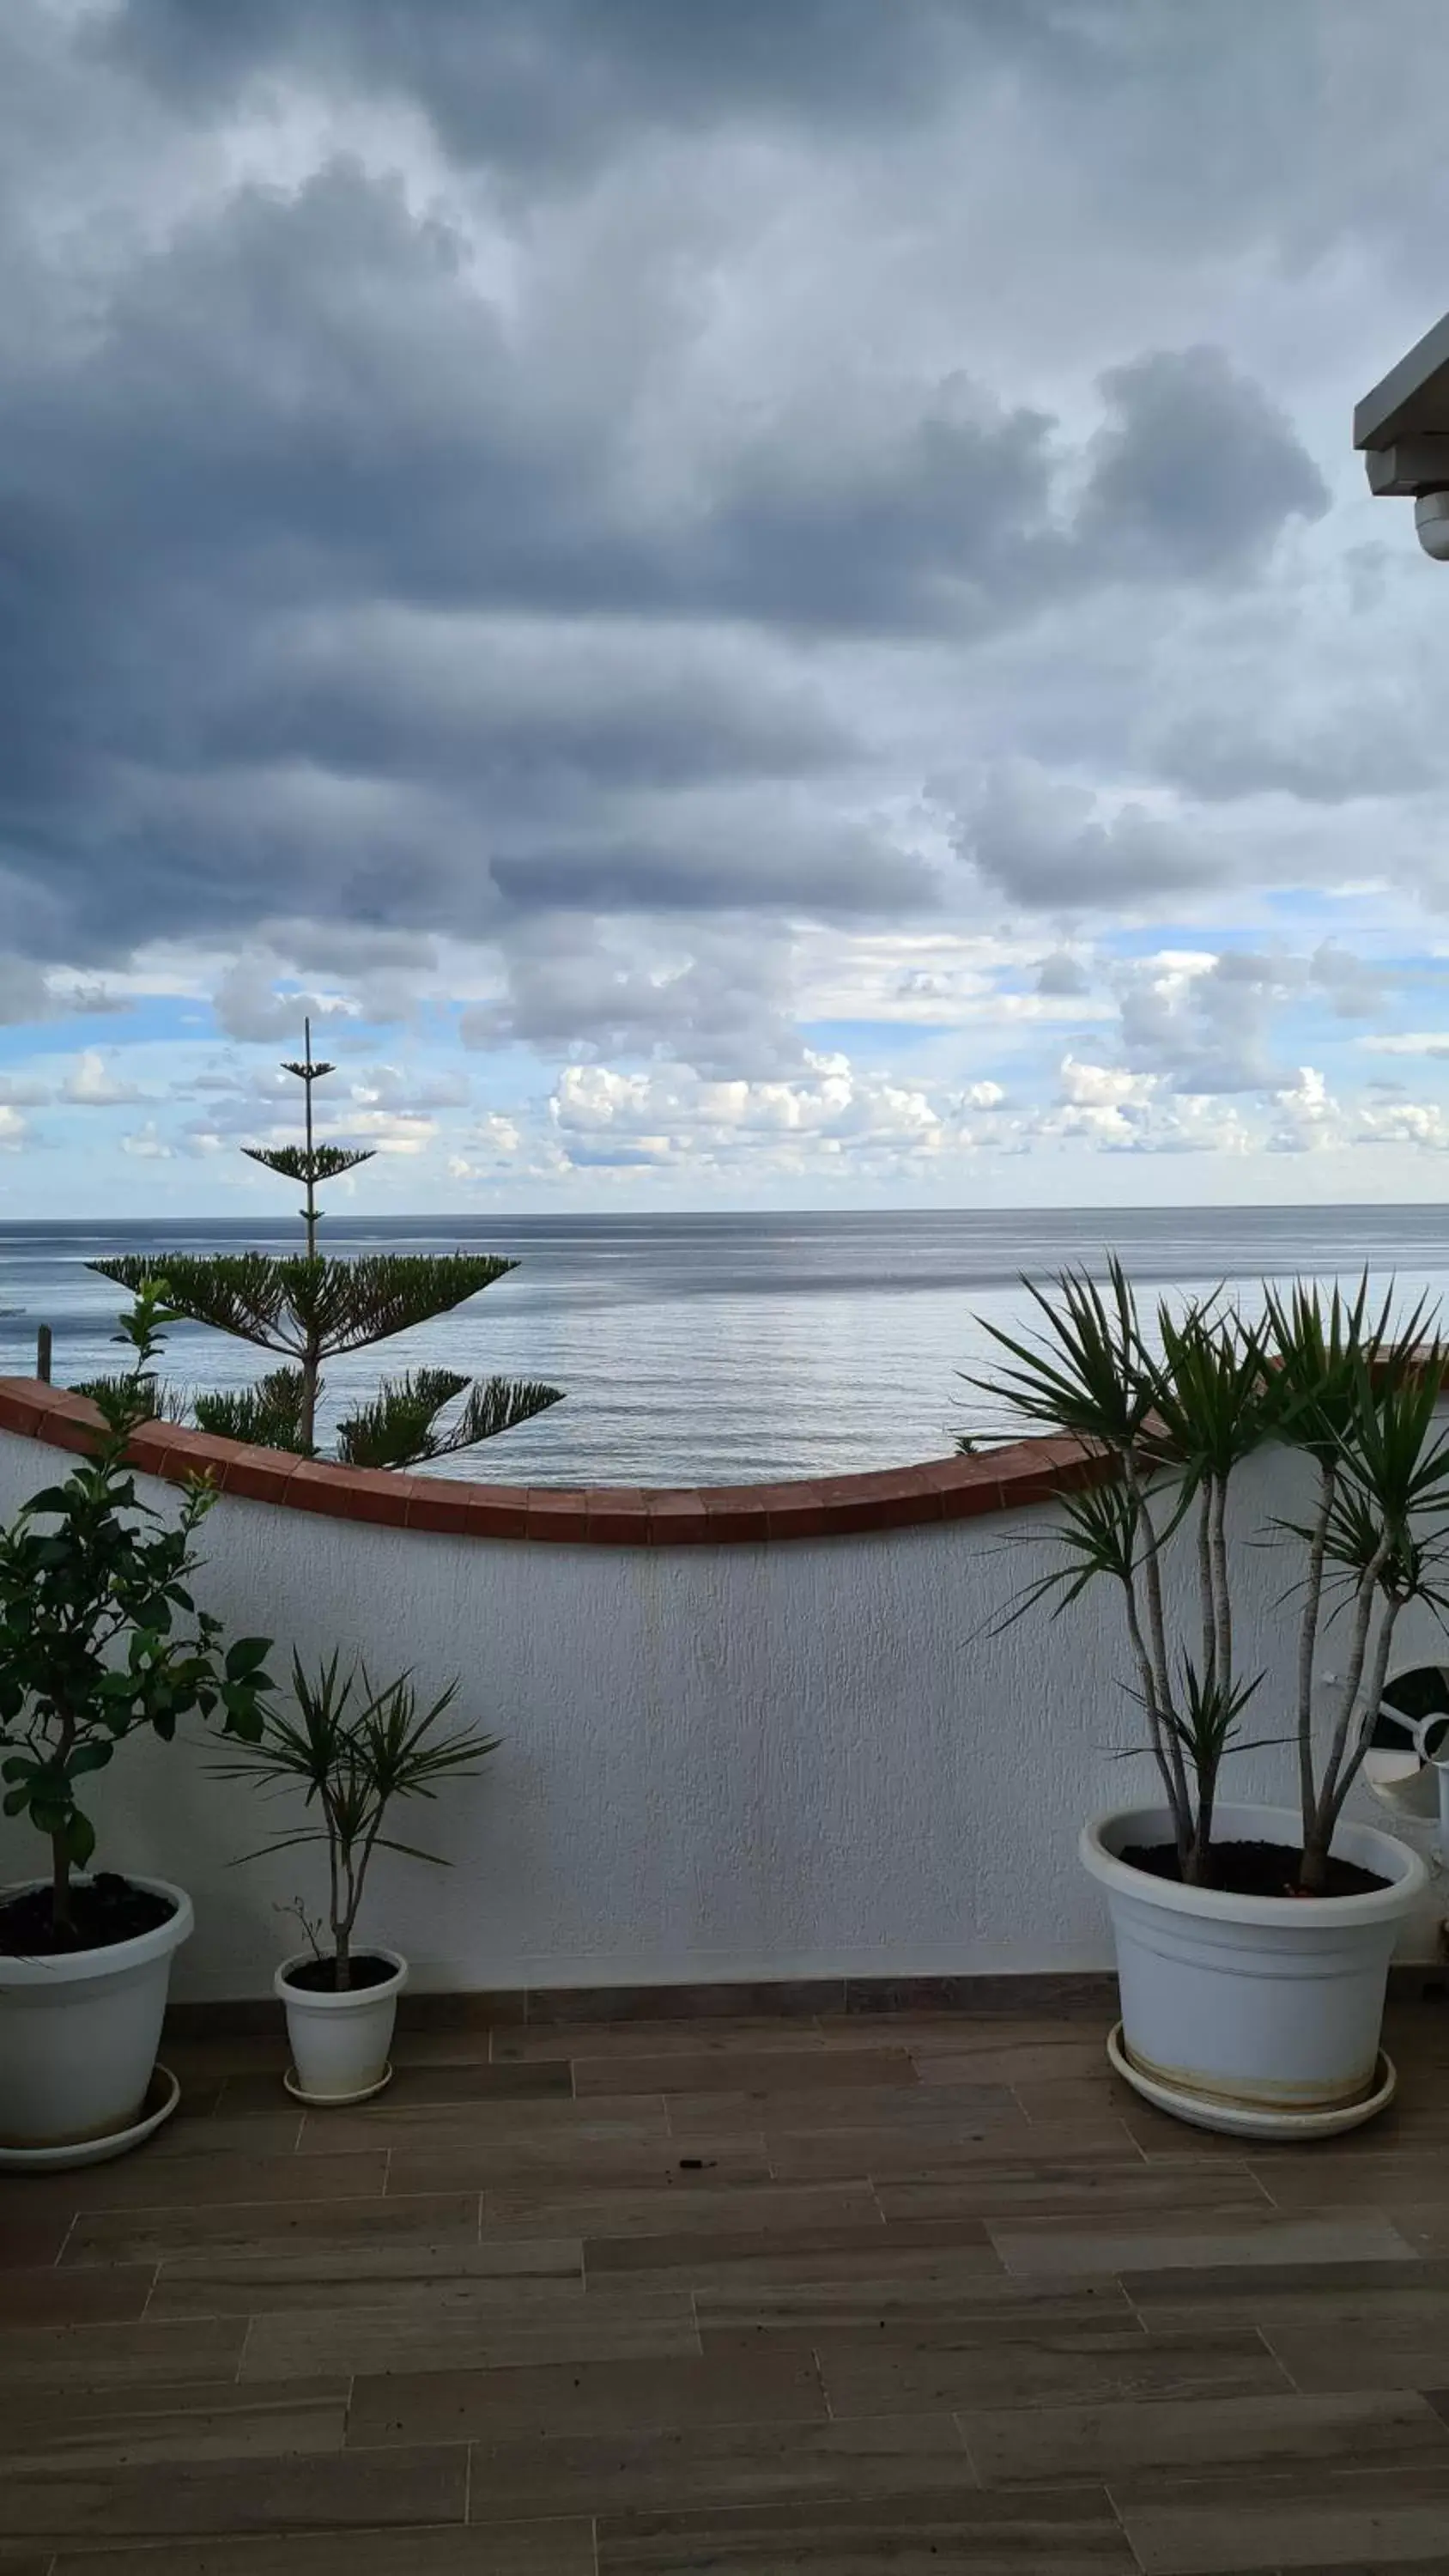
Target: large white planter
[79,2033]
[340,2043]
[1239,2008]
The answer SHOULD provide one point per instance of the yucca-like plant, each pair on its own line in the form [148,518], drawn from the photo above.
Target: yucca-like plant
[1170,1430]
[1360,1399]
[354,1750]
[305,1309]
[1171,1418]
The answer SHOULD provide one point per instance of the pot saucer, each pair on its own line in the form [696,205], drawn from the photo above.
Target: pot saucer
[162,2095]
[336,2101]
[1237,2119]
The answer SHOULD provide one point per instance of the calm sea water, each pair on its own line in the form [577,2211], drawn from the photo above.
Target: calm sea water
[710,1349]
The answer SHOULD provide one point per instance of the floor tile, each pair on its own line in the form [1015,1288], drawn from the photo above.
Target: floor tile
[654,2164]
[809,2253]
[1200,2240]
[69,2506]
[1104,2362]
[275,2229]
[1067,2532]
[193,2181]
[684,2207]
[776,2386]
[718,2464]
[415,2129]
[939,2299]
[552,2548]
[54,2297]
[774,2070]
[1216,2528]
[202,2348]
[125,2426]
[1064,2189]
[468,2329]
[1130,2446]
[517,2271]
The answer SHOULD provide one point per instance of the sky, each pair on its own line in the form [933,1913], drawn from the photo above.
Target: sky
[751,607]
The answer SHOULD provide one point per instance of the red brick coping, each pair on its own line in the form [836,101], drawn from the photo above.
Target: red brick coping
[941,1489]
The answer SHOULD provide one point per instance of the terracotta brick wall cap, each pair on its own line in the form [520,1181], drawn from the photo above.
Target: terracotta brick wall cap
[892,1498]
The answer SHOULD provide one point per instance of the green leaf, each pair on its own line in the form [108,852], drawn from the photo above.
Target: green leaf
[79,1836]
[244,1659]
[88,1757]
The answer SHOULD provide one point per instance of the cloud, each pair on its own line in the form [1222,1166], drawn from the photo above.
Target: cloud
[491,81]
[604,1118]
[1051,845]
[1352,986]
[1195,472]
[667,540]
[1420,1042]
[1062,974]
[92,1083]
[147,1144]
[1205,1022]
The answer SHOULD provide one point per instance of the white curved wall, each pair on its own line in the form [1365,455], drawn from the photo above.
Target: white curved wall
[809,1758]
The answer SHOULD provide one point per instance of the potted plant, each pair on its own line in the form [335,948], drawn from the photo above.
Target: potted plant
[1252,1942]
[100,1638]
[353,1749]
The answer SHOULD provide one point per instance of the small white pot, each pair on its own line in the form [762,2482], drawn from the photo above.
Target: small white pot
[1252,2005]
[340,2042]
[79,2032]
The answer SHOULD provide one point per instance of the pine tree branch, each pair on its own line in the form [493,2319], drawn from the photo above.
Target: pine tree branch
[319,1163]
[268,1414]
[284,1305]
[400,1428]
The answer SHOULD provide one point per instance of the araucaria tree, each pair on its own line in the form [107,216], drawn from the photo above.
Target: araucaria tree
[305,1309]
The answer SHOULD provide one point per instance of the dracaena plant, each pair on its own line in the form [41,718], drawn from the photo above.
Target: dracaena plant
[306,1309]
[100,1635]
[1170,1425]
[1361,1400]
[353,1750]
[1170,1417]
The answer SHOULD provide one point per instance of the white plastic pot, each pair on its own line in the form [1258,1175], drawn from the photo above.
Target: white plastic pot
[340,2043]
[79,2032]
[1237,2008]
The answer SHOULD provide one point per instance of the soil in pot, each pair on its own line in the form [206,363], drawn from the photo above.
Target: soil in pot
[319,1976]
[1255,1869]
[106,1909]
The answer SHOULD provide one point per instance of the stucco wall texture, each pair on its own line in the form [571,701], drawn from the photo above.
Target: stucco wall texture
[815,1758]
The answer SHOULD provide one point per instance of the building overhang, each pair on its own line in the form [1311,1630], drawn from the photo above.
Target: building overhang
[1402,426]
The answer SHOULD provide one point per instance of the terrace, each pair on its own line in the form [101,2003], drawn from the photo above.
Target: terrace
[839,2291]
[752,2192]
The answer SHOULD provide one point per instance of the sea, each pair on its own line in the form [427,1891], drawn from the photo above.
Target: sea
[716,1349]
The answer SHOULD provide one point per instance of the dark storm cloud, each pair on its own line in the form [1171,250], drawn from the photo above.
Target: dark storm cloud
[329,584]
[1196,472]
[1044,846]
[530,83]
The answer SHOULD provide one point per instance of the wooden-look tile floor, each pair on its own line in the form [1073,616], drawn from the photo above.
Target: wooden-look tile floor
[906,2294]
